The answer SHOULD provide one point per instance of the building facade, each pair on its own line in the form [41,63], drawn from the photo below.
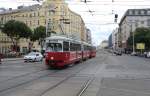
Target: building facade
[104,44]
[132,19]
[115,39]
[54,14]
[88,36]
[110,45]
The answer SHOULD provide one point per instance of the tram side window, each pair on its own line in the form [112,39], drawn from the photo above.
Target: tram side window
[78,47]
[65,46]
[85,47]
[72,47]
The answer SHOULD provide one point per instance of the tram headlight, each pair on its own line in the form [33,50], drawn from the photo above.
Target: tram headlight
[52,58]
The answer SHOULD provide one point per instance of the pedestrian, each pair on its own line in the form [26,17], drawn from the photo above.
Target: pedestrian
[0,58]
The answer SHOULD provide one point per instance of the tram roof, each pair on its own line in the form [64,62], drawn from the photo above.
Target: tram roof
[61,38]
[66,39]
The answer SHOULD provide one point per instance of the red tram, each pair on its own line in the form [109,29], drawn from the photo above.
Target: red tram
[62,51]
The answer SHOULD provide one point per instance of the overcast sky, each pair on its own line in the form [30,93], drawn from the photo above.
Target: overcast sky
[101,18]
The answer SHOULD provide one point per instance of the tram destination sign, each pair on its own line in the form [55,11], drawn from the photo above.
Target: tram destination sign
[54,41]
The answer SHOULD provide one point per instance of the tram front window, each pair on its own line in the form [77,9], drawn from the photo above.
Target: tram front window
[54,47]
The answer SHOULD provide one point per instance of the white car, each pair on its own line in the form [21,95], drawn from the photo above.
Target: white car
[33,56]
[148,54]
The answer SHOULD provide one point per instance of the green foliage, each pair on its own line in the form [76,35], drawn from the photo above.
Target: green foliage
[141,35]
[16,29]
[39,33]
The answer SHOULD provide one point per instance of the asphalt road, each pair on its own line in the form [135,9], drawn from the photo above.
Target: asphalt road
[104,75]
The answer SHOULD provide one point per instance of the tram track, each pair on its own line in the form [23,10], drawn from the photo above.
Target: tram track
[22,75]
[62,81]
[15,77]
[28,81]
[74,70]
[42,76]
[85,86]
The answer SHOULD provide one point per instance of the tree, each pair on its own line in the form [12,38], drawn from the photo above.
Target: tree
[39,34]
[141,35]
[148,38]
[16,30]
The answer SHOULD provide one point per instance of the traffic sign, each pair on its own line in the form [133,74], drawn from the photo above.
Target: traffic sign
[140,46]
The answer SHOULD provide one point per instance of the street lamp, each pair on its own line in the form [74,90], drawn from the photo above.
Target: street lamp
[133,47]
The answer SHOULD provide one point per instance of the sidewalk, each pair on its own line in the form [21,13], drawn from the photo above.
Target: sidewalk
[12,59]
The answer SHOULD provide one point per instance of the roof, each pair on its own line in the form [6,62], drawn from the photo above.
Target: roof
[66,39]
[22,9]
[127,14]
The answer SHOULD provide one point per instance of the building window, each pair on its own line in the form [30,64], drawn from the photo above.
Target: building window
[45,22]
[145,12]
[45,13]
[148,12]
[30,23]
[136,24]
[142,22]
[30,15]
[38,22]
[38,14]
[148,22]
[34,14]
[133,12]
[139,12]
[136,12]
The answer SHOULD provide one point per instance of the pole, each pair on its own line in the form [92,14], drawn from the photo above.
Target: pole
[133,39]
[46,25]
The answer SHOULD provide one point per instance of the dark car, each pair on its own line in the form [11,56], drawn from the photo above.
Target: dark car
[1,58]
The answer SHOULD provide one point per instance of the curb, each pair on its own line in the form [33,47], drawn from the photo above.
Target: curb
[11,59]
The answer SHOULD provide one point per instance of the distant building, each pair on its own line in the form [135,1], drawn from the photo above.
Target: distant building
[115,39]
[88,36]
[104,44]
[110,41]
[132,19]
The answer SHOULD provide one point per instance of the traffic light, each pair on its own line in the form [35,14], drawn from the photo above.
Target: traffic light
[116,17]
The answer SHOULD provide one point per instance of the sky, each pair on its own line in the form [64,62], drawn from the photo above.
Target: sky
[101,18]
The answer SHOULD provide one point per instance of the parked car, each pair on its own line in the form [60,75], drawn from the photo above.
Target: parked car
[118,53]
[134,54]
[148,54]
[33,56]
